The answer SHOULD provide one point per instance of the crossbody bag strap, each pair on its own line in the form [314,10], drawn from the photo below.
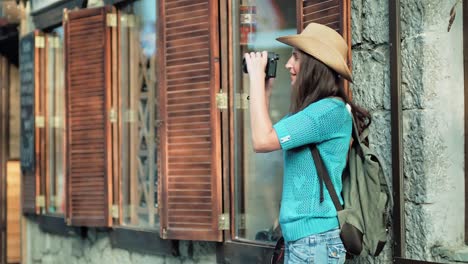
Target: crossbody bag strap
[323,176]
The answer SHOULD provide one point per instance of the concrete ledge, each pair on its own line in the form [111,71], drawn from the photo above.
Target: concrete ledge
[457,254]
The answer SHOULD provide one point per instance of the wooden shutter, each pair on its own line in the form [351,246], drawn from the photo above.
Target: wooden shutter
[89,114]
[190,157]
[333,13]
[32,122]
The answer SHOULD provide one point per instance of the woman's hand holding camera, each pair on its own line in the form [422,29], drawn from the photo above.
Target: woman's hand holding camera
[256,64]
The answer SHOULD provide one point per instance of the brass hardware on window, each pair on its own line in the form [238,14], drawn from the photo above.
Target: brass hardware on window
[123,20]
[40,201]
[40,121]
[111,20]
[115,211]
[112,115]
[223,222]
[53,42]
[131,116]
[242,101]
[164,233]
[242,221]
[39,42]
[56,122]
[131,21]
[221,100]
[65,15]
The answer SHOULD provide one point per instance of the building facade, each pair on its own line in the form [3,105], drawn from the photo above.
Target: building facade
[131,126]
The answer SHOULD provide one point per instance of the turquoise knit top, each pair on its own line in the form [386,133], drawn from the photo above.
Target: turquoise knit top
[328,124]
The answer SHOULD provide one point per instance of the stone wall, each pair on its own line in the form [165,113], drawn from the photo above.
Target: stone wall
[433,125]
[96,248]
[371,86]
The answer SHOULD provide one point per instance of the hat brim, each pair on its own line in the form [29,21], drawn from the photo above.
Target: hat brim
[319,50]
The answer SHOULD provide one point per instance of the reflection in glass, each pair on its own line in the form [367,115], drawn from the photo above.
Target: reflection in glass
[55,112]
[138,110]
[258,182]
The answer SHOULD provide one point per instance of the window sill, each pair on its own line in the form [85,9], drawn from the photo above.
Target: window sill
[236,252]
[458,254]
[143,241]
[56,225]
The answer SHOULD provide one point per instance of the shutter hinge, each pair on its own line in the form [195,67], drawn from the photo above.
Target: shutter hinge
[131,21]
[127,21]
[242,222]
[111,20]
[39,42]
[65,15]
[53,42]
[221,100]
[115,211]
[130,116]
[242,101]
[223,222]
[40,201]
[113,115]
[56,122]
[40,121]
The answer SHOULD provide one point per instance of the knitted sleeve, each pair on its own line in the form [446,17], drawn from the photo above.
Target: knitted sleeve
[320,121]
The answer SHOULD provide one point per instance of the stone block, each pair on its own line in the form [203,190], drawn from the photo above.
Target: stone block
[146,259]
[375,21]
[110,255]
[380,140]
[204,252]
[369,79]
[422,16]
[356,24]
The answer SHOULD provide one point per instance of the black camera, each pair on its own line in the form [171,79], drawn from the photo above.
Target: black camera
[270,69]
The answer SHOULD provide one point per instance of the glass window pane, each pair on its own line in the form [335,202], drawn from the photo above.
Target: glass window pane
[258,182]
[55,126]
[139,116]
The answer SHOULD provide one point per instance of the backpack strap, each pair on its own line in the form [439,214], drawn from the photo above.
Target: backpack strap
[324,177]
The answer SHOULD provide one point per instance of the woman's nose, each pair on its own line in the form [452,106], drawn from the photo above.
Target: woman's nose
[288,64]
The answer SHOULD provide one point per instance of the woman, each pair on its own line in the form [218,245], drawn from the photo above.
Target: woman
[319,114]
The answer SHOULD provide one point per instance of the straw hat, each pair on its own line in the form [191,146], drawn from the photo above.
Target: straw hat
[324,44]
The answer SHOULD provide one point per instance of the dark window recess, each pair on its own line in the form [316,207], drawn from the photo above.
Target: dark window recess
[235,252]
[144,242]
[51,16]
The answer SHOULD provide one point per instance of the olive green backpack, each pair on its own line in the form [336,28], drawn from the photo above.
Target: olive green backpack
[365,216]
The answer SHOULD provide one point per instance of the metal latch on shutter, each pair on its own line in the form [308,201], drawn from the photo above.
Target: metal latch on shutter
[39,42]
[221,100]
[40,201]
[223,222]
[111,20]
[115,211]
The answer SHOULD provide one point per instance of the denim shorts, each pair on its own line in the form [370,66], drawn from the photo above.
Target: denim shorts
[320,248]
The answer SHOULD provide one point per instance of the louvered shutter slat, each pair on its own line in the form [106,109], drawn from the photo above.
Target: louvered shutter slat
[87,45]
[190,132]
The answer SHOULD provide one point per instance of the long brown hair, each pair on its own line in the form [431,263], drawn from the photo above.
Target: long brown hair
[316,81]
